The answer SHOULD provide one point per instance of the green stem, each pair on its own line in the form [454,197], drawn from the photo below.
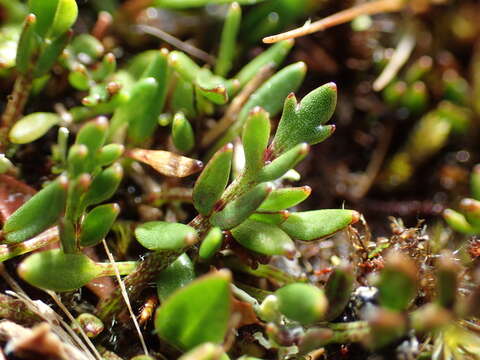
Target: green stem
[352,332]
[124,268]
[15,106]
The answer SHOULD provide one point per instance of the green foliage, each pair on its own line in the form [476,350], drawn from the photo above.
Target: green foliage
[399,273]
[263,238]
[317,224]
[304,122]
[160,235]
[54,17]
[32,127]
[42,270]
[211,243]
[240,199]
[226,54]
[26,222]
[211,183]
[182,133]
[238,210]
[281,199]
[304,303]
[179,274]
[182,317]
[97,224]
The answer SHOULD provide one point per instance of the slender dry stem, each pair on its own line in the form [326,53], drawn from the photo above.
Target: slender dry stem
[370,8]
[15,106]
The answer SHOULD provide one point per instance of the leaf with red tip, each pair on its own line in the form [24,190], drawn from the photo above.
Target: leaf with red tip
[317,224]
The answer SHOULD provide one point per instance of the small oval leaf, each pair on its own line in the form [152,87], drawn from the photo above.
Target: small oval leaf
[265,239]
[161,235]
[317,224]
[179,274]
[97,224]
[304,303]
[54,270]
[32,127]
[182,317]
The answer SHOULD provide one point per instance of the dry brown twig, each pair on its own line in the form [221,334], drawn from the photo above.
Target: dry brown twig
[369,8]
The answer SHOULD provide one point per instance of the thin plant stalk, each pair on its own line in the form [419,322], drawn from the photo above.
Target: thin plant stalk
[369,8]
[15,106]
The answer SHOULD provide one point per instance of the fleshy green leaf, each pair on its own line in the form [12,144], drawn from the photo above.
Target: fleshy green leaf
[304,122]
[54,17]
[285,162]
[211,243]
[182,317]
[86,44]
[179,274]
[304,303]
[212,181]
[38,213]
[400,272]
[109,154]
[458,222]
[182,133]
[142,125]
[211,87]
[256,134]
[104,185]
[238,210]
[160,235]
[284,82]
[263,238]
[136,108]
[475,182]
[226,54]
[57,271]
[317,224]
[93,135]
[50,54]
[27,44]
[338,290]
[281,199]
[32,127]
[97,224]
[273,55]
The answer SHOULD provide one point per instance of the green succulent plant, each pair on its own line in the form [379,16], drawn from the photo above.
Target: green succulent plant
[183,169]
